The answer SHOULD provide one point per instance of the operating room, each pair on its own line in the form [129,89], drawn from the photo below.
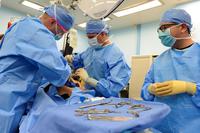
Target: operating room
[99,66]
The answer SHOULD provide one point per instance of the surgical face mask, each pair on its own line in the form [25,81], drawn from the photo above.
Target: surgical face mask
[58,36]
[94,42]
[167,39]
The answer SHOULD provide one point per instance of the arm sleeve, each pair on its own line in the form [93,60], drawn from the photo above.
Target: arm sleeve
[40,49]
[196,96]
[117,77]
[77,61]
[147,81]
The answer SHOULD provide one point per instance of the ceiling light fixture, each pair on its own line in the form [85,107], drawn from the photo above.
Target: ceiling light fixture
[142,7]
[106,19]
[82,25]
[32,5]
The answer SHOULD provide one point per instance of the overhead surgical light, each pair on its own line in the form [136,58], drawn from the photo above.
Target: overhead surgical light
[106,19]
[82,25]
[98,9]
[145,6]
[32,5]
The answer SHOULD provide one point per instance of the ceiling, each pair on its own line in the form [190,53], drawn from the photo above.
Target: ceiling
[115,22]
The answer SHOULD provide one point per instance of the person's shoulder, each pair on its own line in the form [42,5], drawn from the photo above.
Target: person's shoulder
[32,24]
[113,54]
[195,48]
[198,44]
[31,21]
[28,22]
[162,55]
[114,50]
[88,50]
[35,31]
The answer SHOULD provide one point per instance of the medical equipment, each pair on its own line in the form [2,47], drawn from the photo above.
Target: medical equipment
[70,42]
[94,111]
[65,118]
[120,104]
[96,9]
[136,114]
[137,108]
[95,104]
[109,118]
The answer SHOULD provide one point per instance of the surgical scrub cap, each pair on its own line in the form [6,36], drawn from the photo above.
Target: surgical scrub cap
[96,26]
[62,16]
[177,16]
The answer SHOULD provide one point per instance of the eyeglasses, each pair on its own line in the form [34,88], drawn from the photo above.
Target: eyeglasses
[165,26]
[90,36]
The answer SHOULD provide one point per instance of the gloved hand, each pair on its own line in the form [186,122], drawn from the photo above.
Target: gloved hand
[172,87]
[69,58]
[82,73]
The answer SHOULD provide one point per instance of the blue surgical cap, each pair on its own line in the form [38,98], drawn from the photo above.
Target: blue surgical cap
[63,17]
[177,16]
[96,26]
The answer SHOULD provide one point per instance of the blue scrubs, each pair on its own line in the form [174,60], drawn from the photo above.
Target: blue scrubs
[177,65]
[108,66]
[28,53]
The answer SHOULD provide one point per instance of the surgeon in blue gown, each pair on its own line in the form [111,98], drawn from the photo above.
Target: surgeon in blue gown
[102,66]
[174,77]
[28,53]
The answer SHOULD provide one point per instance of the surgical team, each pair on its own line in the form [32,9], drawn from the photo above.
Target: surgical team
[29,58]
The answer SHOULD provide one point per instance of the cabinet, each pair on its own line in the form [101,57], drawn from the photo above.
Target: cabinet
[139,68]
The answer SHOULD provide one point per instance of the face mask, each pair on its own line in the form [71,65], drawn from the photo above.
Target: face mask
[57,36]
[167,39]
[94,42]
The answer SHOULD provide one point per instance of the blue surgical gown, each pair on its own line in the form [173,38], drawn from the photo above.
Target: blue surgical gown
[177,65]
[43,101]
[28,53]
[108,66]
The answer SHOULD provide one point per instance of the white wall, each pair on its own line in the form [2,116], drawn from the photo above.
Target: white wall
[150,43]
[126,40]
[82,42]
[193,9]
[5,15]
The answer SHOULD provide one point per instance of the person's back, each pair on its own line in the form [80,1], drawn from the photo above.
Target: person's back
[28,53]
